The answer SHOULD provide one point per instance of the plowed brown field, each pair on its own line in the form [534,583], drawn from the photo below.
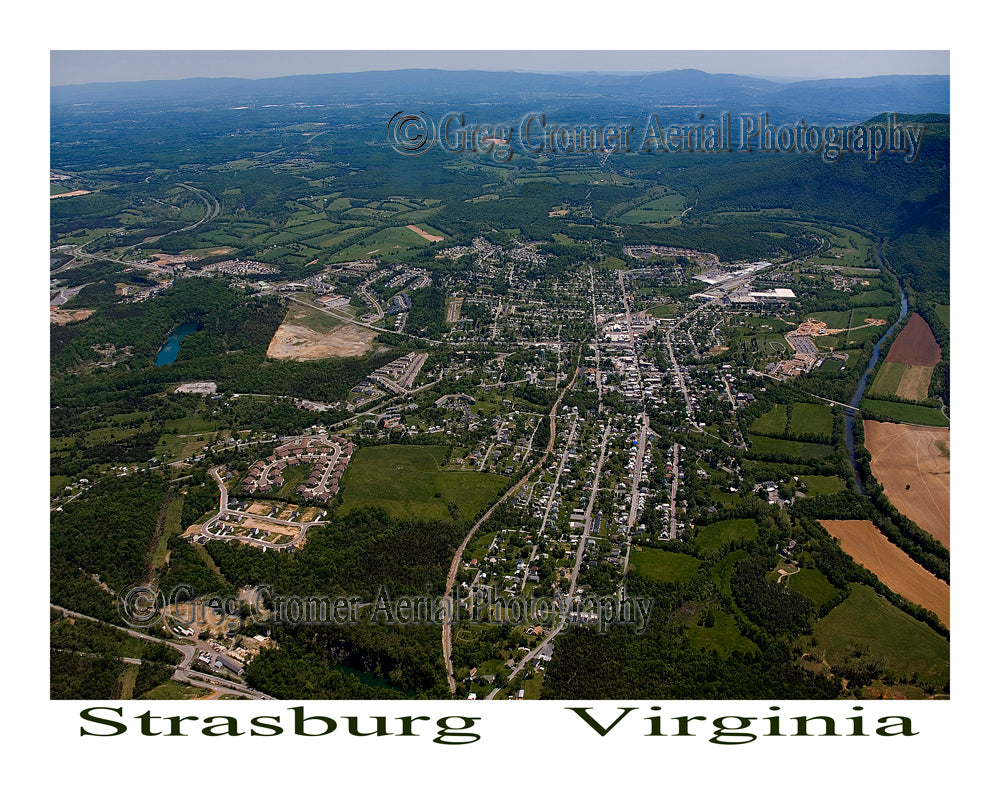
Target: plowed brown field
[909,455]
[867,545]
[915,345]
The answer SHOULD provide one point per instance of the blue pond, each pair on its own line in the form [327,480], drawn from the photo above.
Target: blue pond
[169,351]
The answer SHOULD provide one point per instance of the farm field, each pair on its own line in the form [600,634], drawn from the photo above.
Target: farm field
[659,210]
[785,447]
[867,622]
[774,421]
[662,565]
[406,481]
[386,243]
[810,418]
[915,345]
[909,363]
[867,545]
[822,484]
[914,467]
[905,412]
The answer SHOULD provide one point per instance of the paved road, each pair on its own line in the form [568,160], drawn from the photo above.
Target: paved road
[457,559]
[189,649]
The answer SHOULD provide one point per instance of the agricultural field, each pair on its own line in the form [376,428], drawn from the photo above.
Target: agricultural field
[868,546]
[811,419]
[715,537]
[902,380]
[662,565]
[773,422]
[406,481]
[915,345]
[905,412]
[660,210]
[871,624]
[909,364]
[387,243]
[914,467]
[816,485]
[784,447]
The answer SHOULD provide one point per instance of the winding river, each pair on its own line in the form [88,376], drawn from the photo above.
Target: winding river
[863,383]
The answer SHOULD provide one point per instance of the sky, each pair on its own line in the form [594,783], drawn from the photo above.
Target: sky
[98,66]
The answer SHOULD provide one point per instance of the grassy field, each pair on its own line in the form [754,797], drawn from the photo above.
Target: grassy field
[943,313]
[774,421]
[385,244]
[871,622]
[666,311]
[406,481]
[662,565]
[723,636]
[172,690]
[822,484]
[659,210]
[810,418]
[766,446]
[719,534]
[813,584]
[904,412]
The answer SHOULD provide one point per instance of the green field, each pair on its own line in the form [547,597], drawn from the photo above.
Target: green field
[406,481]
[716,536]
[809,418]
[872,623]
[172,690]
[384,244]
[813,584]
[782,447]
[822,484]
[659,210]
[774,421]
[666,311]
[904,412]
[888,378]
[722,636]
[943,313]
[663,565]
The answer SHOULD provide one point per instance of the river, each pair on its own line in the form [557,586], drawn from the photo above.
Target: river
[863,383]
[172,346]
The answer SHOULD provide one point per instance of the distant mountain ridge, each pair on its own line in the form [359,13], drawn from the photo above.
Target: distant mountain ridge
[846,98]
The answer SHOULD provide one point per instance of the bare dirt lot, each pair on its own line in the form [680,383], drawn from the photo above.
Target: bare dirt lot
[430,237]
[915,345]
[867,545]
[296,341]
[59,317]
[454,309]
[915,457]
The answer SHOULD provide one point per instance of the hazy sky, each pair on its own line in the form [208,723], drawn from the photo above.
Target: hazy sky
[89,66]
